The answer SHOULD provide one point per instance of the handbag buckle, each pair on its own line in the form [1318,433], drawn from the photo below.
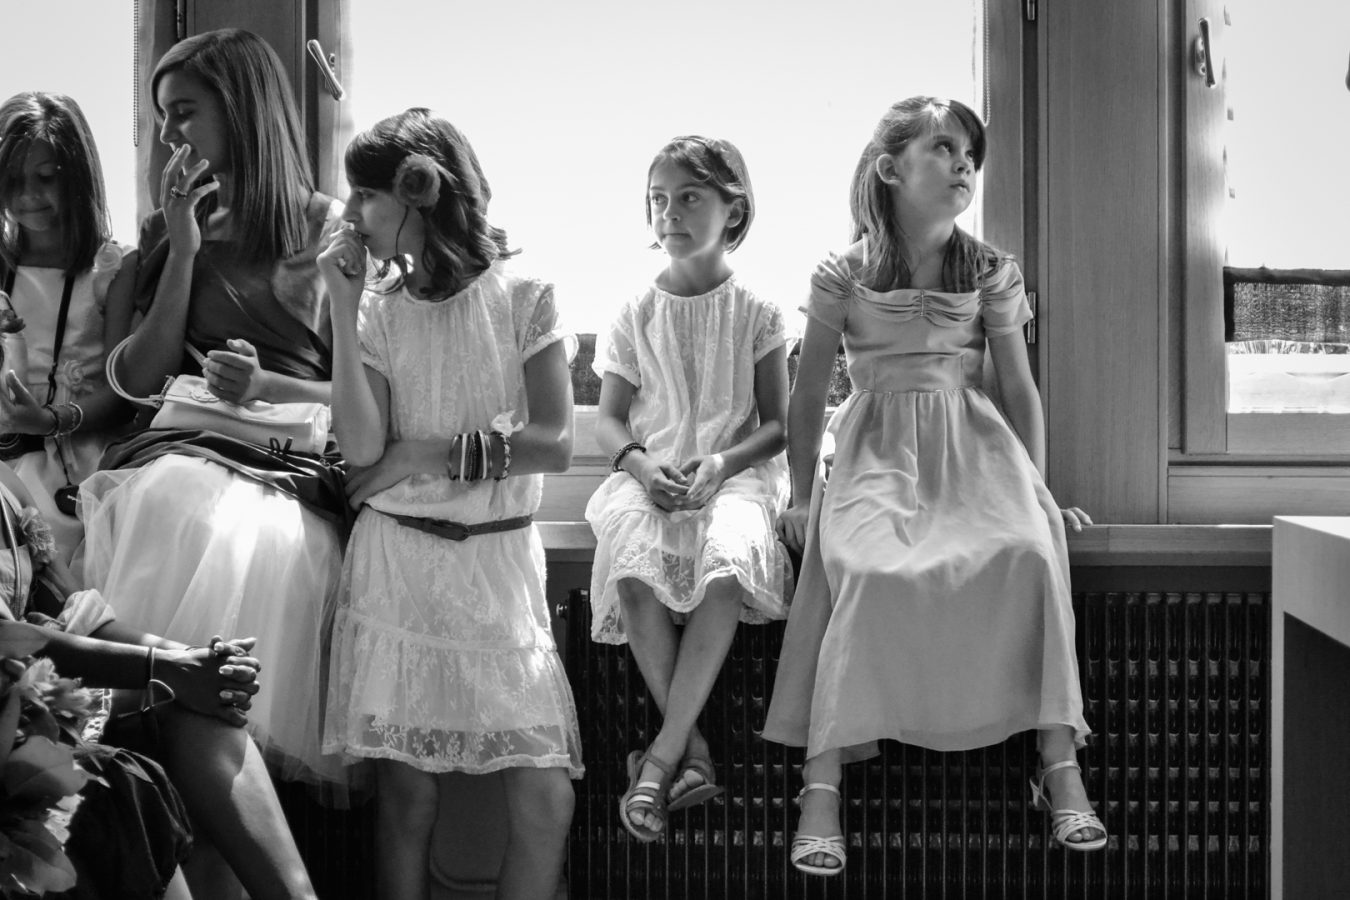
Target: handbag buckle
[162,397]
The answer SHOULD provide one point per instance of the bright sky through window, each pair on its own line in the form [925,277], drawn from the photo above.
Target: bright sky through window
[82,48]
[1287,143]
[567,103]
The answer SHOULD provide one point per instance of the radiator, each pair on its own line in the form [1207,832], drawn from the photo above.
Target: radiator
[1175,690]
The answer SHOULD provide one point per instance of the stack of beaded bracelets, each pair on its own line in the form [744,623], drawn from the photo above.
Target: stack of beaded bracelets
[616,461]
[66,418]
[473,451]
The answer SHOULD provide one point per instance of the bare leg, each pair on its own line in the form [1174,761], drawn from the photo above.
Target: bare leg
[539,805]
[208,870]
[406,805]
[228,792]
[177,889]
[1065,785]
[655,642]
[698,658]
[820,809]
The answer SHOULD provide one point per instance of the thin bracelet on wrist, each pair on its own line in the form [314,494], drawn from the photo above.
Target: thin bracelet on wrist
[616,461]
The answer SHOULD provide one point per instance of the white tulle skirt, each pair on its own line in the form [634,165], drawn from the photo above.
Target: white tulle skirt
[186,548]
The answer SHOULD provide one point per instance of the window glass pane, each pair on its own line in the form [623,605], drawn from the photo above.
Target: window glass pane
[82,48]
[1286,80]
[566,104]
[1289,330]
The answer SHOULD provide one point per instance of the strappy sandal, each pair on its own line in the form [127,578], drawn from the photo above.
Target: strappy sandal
[700,793]
[806,845]
[645,796]
[1067,822]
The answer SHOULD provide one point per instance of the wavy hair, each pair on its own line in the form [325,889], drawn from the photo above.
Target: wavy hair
[460,243]
[31,117]
[271,181]
[872,204]
[718,164]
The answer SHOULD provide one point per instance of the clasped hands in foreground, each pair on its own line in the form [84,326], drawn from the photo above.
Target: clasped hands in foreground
[218,680]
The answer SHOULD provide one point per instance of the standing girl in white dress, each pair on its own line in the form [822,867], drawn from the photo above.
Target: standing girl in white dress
[66,281]
[693,400]
[933,606]
[451,388]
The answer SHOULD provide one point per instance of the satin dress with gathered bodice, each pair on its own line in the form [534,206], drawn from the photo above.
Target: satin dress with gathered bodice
[933,605]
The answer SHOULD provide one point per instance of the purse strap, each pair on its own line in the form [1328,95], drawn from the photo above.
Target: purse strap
[110,371]
[61,317]
[154,400]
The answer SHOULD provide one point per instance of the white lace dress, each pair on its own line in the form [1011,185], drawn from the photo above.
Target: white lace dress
[692,361]
[443,656]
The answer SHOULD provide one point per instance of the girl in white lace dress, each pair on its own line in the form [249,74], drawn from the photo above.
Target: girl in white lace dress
[451,396]
[693,402]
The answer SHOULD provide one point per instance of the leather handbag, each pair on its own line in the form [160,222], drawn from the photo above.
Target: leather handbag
[187,404]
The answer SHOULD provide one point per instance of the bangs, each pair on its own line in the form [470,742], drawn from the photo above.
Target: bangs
[368,161]
[687,156]
[949,116]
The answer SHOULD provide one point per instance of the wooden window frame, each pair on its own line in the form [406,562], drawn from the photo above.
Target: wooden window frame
[1230,466]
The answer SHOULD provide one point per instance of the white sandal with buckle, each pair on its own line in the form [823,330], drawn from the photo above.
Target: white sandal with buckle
[1066,822]
[806,845]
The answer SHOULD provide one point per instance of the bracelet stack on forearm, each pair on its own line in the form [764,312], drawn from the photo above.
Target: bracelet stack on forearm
[471,456]
[66,419]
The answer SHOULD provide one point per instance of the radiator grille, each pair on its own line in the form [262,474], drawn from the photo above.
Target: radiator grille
[1175,688]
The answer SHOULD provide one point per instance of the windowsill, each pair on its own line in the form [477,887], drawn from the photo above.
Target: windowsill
[1096,545]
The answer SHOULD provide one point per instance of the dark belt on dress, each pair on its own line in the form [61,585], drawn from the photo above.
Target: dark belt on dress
[458,531]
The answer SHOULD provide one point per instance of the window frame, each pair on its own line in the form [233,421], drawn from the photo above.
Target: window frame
[1210,430]
[1229,466]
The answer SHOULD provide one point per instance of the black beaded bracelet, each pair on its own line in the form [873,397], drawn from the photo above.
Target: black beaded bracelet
[506,455]
[615,461]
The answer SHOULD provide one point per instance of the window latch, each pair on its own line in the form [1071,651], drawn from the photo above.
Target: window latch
[326,64]
[1202,55]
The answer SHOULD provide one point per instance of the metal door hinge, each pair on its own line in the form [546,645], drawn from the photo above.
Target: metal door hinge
[1031,323]
[1029,9]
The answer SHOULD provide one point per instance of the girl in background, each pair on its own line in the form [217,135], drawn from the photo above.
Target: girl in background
[693,399]
[933,606]
[451,388]
[67,284]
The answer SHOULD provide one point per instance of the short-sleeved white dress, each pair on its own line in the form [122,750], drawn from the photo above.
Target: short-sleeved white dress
[933,606]
[692,361]
[443,656]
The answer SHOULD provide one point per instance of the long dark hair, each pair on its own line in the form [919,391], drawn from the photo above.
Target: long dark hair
[26,119]
[270,177]
[870,202]
[718,164]
[460,242]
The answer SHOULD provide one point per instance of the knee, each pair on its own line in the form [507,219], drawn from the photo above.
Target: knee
[638,603]
[542,806]
[410,796]
[724,589]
